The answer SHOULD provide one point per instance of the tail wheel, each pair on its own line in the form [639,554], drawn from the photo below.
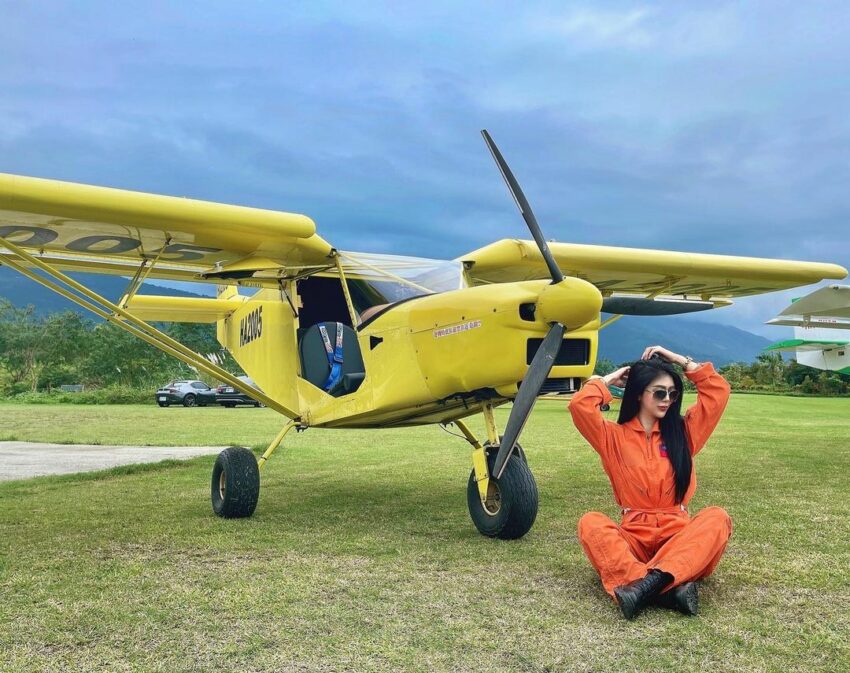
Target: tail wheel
[511,505]
[189,400]
[235,487]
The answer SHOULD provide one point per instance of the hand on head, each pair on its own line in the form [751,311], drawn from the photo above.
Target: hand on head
[617,378]
[663,353]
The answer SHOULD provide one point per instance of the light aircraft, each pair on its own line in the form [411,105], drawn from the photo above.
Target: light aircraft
[821,322]
[339,339]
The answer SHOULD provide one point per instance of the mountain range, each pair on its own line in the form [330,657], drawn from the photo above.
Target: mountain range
[622,341]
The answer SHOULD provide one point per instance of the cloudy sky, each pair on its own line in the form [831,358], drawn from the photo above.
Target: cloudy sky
[711,127]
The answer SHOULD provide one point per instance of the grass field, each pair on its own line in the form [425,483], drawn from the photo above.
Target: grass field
[361,555]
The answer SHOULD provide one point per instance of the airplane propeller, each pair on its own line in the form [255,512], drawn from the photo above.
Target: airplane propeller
[524,208]
[543,360]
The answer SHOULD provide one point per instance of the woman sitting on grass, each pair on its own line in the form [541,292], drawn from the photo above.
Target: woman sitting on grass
[657,551]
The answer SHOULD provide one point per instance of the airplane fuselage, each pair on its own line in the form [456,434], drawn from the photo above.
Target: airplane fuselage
[430,359]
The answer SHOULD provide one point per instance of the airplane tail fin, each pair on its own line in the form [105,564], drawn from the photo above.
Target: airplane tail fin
[823,348]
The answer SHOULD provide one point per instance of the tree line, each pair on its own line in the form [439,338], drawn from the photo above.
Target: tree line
[771,373]
[44,352]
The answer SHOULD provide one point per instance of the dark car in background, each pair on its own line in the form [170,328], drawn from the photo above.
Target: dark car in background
[228,396]
[188,393]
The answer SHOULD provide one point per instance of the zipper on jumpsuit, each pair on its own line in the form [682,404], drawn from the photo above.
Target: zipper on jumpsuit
[653,510]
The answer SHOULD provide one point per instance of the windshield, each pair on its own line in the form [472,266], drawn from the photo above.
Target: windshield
[378,280]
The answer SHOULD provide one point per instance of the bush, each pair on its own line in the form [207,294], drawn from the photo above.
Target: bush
[108,395]
[5,380]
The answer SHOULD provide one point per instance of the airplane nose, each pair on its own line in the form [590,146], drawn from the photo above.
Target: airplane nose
[572,302]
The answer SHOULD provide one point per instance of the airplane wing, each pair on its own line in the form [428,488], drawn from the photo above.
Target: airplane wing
[102,230]
[832,301]
[710,279]
[794,345]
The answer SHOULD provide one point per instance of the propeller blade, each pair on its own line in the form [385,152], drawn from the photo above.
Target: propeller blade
[646,306]
[529,389]
[524,208]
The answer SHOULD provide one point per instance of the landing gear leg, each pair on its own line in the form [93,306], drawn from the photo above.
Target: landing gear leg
[480,473]
[276,442]
[506,507]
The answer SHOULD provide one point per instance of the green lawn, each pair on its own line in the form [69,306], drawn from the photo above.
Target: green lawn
[361,555]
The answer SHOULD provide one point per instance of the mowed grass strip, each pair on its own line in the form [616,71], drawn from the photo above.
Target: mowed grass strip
[362,557]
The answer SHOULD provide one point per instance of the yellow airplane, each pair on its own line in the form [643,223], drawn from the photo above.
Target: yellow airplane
[340,339]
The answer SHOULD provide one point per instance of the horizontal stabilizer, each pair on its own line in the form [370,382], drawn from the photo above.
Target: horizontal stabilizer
[182,309]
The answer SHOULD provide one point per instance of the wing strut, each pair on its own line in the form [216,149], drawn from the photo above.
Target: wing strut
[140,277]
[127,321]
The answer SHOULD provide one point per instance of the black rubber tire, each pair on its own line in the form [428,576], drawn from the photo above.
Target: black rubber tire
[518,450]
[235,487]
[519,500]
[189,400]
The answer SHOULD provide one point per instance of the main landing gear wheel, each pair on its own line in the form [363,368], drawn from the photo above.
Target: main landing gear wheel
[511,505]
[235,487]
[518,451]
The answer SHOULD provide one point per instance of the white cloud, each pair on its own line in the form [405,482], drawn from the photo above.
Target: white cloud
[594,28]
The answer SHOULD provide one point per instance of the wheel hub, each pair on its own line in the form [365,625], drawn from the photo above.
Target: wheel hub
[222,485]
[493,502]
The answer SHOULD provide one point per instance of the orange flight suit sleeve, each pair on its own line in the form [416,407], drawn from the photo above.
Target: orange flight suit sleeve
[587,417]
[703,416]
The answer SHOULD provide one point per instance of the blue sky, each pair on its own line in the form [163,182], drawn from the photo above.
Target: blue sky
[712,127]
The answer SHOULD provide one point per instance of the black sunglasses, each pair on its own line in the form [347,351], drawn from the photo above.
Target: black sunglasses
[661,395]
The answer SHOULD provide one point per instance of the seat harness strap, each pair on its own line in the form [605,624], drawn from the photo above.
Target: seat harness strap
[334,356]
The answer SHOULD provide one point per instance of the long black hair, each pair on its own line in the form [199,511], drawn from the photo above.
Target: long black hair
[641,374]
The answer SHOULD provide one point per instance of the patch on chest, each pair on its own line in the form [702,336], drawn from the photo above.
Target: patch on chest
[662,449]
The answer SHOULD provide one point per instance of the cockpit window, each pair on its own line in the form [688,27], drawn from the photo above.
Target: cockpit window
[380,280]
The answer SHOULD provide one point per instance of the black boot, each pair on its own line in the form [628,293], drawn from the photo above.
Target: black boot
[683,598]
[634,596]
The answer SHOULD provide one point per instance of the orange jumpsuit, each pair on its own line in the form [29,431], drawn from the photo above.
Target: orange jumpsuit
[654,531]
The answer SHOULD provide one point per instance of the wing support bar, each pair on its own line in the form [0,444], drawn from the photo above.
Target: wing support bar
[113,313]
[141,276]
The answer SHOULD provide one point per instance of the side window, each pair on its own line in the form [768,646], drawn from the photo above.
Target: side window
[322,301]
[200,386]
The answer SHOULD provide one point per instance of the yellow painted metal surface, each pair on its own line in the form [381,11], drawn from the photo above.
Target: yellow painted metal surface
[476,338]
[490,425]
[94,224]
[260,334]
[437,350]
[632,270]
[276,443]
[182,309]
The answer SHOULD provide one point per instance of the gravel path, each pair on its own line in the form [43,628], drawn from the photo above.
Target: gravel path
[21,460]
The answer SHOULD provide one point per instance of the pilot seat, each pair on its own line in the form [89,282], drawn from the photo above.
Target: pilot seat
[317,363]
